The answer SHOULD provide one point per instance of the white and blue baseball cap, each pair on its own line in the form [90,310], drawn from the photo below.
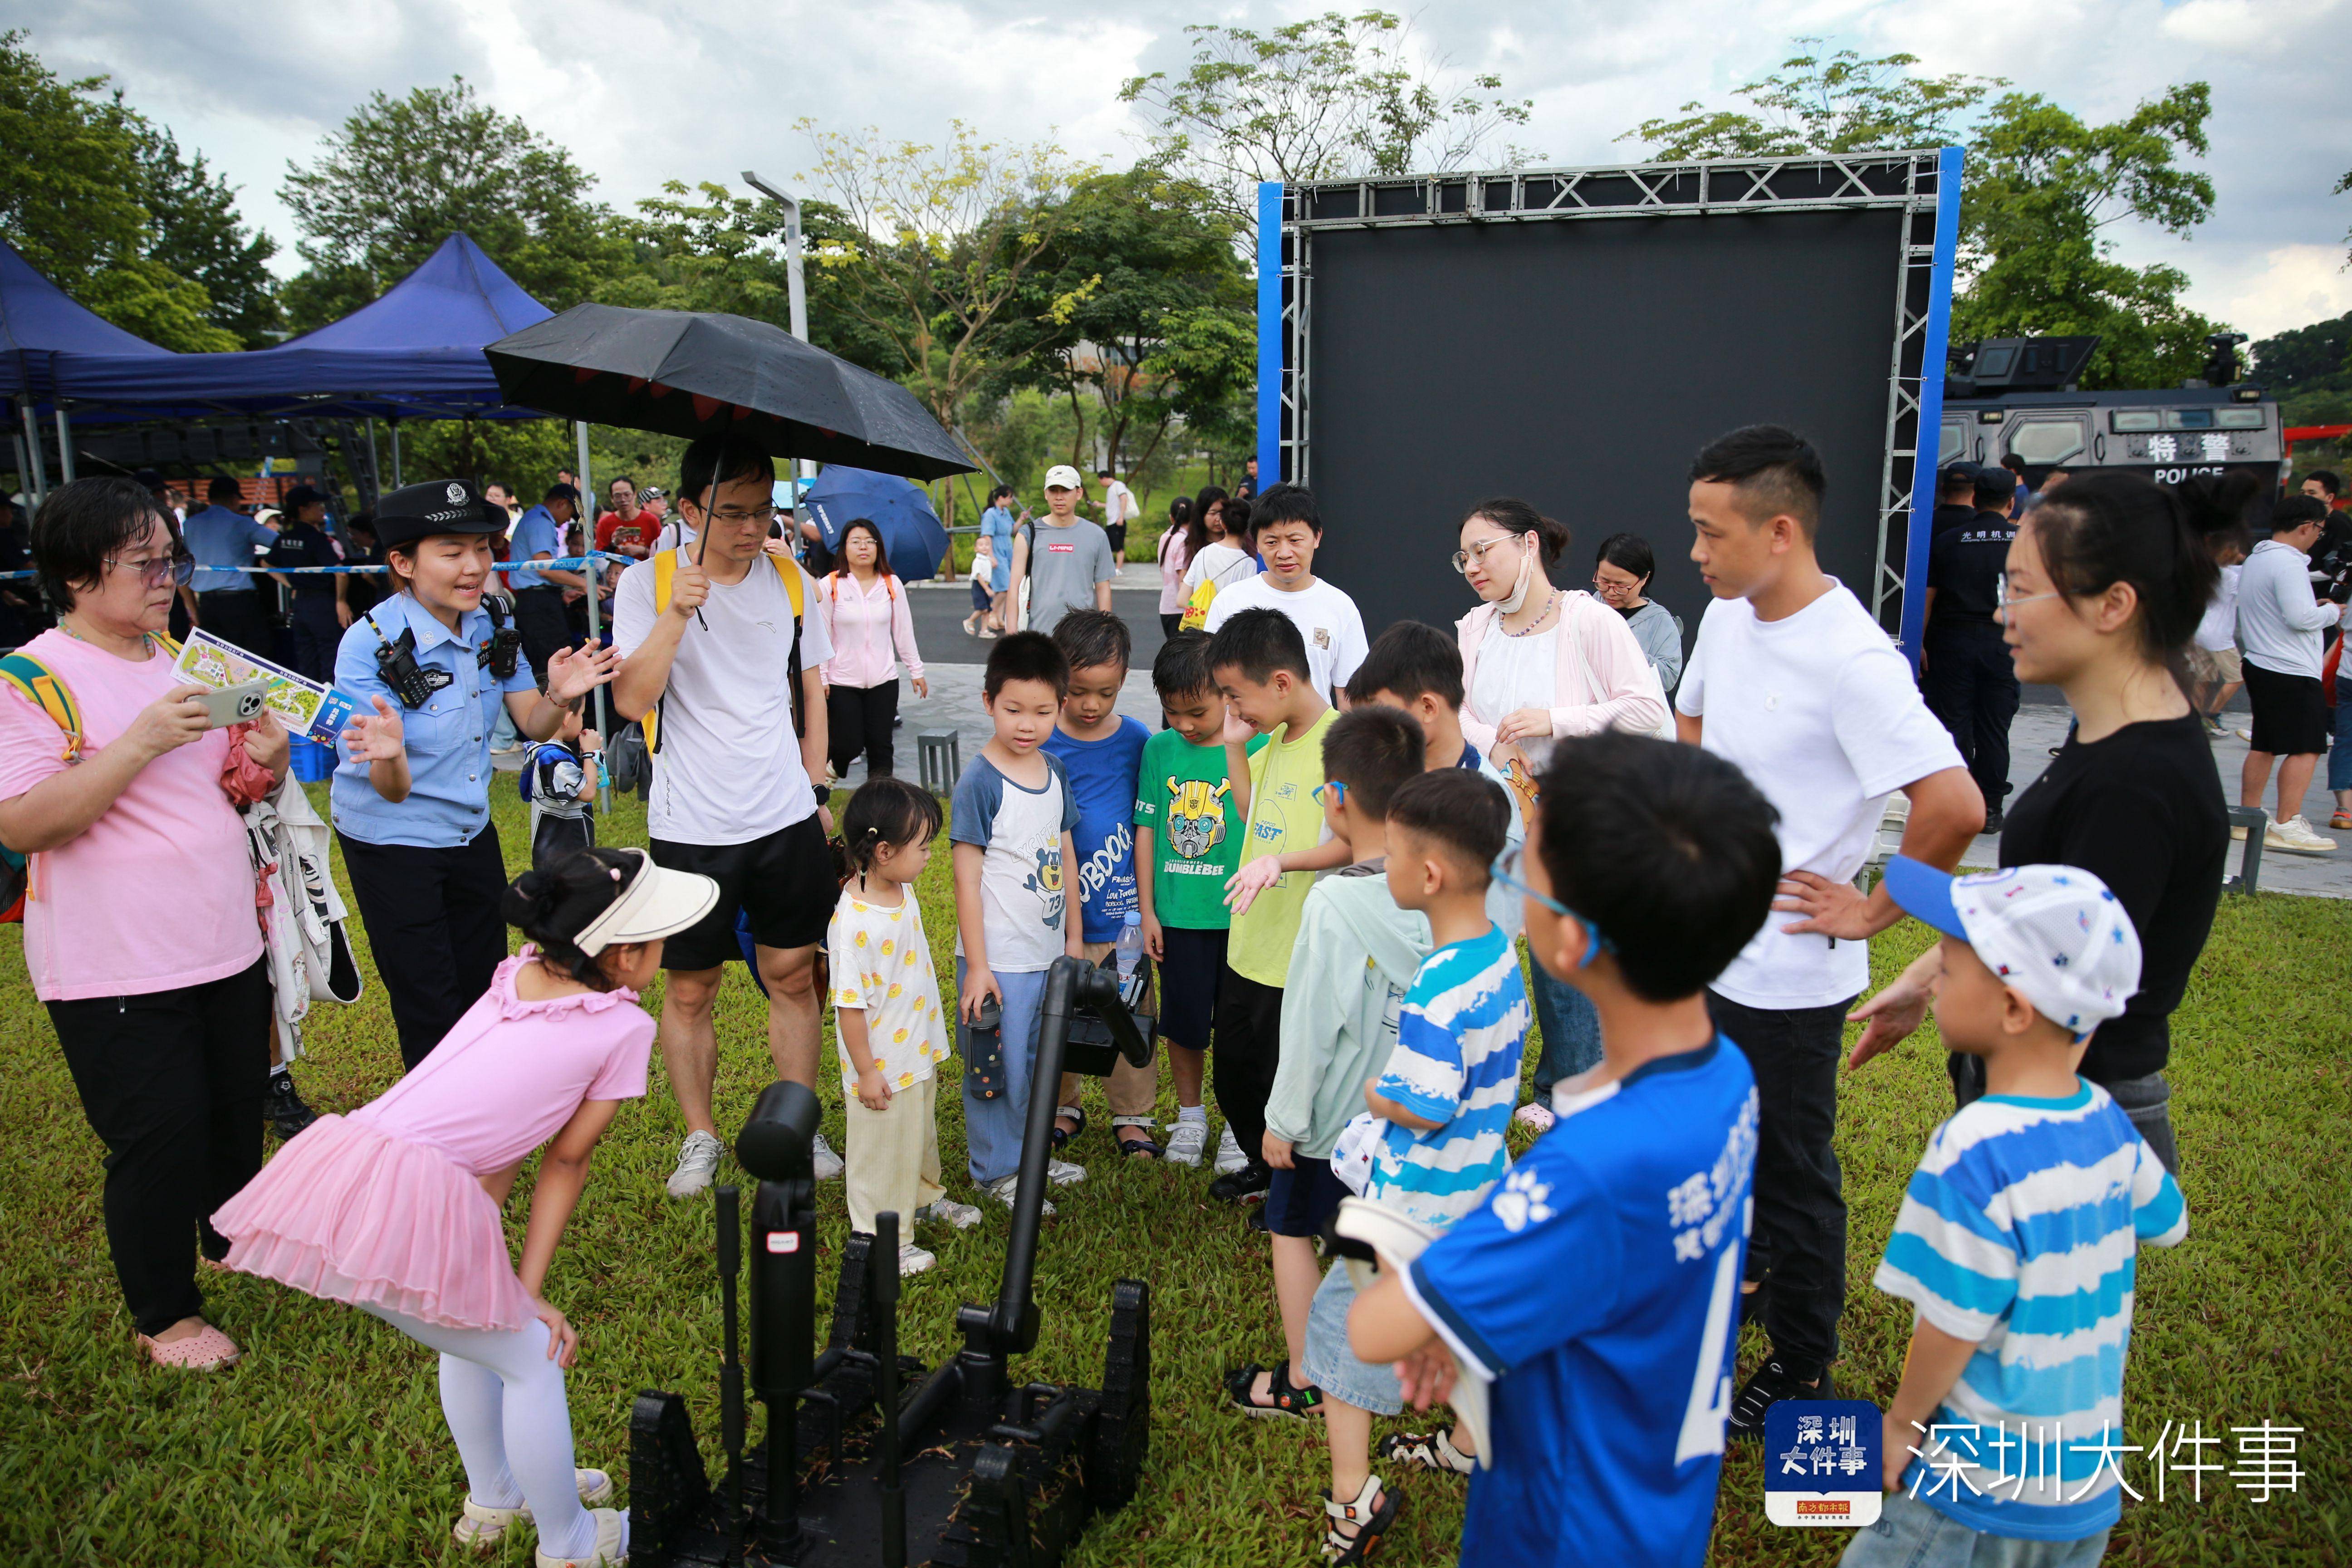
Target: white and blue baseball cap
[2055,933]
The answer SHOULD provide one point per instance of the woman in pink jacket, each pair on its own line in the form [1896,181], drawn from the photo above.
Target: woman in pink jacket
[1538,663]
[866,612]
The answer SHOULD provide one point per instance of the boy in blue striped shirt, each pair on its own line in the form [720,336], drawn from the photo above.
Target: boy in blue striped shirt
[2017,1240]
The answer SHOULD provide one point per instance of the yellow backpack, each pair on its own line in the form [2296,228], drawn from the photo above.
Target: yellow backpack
[788,572]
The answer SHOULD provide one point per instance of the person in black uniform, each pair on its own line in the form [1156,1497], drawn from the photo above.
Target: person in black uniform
[320,612]
[1956,496]
[1965,675]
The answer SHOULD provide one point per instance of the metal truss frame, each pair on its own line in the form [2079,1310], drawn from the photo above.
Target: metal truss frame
[1922,185]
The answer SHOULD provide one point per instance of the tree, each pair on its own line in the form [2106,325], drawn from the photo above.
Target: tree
[1316,100]
[403,174]
[1135,257]
[194,221]
[71,191]
[1841,104]
[2041,186]
[937,247]
[2301,354]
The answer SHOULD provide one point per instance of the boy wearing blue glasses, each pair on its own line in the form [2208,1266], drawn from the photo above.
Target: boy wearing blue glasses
[1597,1287]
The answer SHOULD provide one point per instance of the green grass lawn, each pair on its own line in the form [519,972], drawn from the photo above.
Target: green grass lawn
[326,1446]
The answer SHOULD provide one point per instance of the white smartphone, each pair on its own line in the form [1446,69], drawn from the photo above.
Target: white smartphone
[238,704]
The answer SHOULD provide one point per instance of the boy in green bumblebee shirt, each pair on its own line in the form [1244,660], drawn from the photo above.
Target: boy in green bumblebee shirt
[1187,834]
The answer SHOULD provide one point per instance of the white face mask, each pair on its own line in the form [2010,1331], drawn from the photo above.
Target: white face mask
[1524,581]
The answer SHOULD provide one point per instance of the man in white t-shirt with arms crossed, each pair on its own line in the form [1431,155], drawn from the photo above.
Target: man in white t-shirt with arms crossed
[1792,681]
[731,795]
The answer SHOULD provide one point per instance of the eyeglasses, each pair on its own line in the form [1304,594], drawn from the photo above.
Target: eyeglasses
[1477,552]
[155,570]
[730,518]
[1603,585]
[2004,600]
[1506,870]
[1338,788]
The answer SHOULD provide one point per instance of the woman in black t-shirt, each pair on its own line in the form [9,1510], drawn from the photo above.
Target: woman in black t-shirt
[2104,584]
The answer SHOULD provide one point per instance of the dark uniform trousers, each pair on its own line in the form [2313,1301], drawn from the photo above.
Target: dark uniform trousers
[1970,684]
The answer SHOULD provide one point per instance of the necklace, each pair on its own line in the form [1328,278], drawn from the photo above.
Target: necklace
[147,644]
[1528,630]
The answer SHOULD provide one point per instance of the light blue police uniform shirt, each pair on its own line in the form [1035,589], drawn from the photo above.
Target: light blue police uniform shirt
[533,532]
[217,537]
[448,739]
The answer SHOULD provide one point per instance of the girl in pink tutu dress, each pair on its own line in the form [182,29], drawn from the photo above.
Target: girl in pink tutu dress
[396,1207]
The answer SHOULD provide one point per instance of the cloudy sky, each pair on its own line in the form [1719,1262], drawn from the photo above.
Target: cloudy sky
[643,90]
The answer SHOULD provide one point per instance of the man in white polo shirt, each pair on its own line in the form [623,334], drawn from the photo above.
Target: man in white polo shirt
[1792,681]
[716,653]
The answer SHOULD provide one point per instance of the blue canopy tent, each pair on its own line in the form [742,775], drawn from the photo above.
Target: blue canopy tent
[39,322]
[414,354]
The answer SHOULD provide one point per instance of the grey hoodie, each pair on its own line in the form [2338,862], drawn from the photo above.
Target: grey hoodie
[1353,961]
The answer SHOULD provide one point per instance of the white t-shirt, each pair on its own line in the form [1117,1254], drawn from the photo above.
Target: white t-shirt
[1820,711]
[729,767]
[1515,673]
[2218,632]
[1324,616]
[881,963]
[1118,503]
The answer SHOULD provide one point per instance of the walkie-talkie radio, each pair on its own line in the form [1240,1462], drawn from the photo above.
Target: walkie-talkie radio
[410,681]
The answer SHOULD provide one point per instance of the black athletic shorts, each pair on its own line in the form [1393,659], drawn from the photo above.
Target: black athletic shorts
[1190,978]
[784,882]
[2290,712]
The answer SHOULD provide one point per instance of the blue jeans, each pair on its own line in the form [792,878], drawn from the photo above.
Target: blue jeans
[1913,1534]
[1571,1029]
[994,1127]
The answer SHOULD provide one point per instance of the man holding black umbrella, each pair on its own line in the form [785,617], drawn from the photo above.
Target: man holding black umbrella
[721,661]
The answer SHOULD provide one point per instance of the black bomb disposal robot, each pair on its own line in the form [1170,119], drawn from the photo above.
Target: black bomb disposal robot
[969,1468]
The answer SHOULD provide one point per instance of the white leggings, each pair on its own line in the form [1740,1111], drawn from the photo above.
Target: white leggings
[503,1397]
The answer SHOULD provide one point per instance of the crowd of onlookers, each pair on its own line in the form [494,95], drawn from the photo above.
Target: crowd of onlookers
[1333,853]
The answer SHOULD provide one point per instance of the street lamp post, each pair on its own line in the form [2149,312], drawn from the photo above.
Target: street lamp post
[795,288]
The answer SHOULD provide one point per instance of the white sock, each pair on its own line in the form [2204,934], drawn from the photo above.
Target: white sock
[280,1070]
[1199,1113]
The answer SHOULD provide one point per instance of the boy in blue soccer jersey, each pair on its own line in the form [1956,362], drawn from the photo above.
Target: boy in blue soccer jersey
[2018,1235]
[1597,1287]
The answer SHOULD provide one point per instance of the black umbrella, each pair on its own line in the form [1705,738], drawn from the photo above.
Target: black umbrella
[686,372]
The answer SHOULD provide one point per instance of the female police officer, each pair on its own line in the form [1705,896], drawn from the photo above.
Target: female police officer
[412,794]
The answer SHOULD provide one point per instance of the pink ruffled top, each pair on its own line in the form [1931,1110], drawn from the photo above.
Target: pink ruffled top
[383,1207]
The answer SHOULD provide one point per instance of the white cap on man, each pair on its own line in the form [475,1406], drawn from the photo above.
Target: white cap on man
[1062,476]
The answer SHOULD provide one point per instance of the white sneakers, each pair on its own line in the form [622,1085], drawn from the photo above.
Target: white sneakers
[612,1543]
[2296,837]
[1004,1189]
[913,1259]
[824,1164]
[1062,1173]
[963,1216]
[697,1162]
[1230,1157]
[481,1526]
[1186,1142]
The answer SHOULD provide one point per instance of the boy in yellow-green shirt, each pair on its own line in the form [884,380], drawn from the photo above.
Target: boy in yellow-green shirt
[1259,662]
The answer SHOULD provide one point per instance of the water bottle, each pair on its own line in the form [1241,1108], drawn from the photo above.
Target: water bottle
[1126,953]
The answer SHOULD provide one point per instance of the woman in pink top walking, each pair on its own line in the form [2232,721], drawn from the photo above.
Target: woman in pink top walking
[866,610]
[396,1207]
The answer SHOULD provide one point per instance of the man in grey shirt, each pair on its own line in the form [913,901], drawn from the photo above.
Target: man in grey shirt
[1066,559]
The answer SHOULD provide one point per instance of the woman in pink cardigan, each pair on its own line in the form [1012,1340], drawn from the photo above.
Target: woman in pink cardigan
[872,628]
[1537,663]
